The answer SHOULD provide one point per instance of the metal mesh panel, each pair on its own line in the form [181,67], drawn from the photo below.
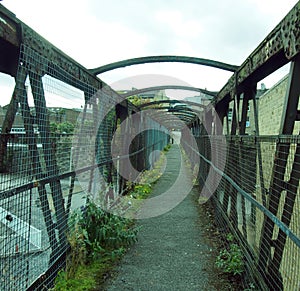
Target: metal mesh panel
[49,127]
[243,206]
[33,196]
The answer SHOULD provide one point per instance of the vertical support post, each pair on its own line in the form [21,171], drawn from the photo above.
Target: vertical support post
[242,124]
[6,127]
[288,209]
[95,122]
[221,110]
[242,131]
[232,153]
[49,156]
[259,156]
[21,96]
[289,116]
[226,189]
[75,157]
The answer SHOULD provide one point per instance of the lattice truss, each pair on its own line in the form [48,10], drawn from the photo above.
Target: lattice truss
[53,133]
[253,180]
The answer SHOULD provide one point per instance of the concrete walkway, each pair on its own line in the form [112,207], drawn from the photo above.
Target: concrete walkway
[171,252]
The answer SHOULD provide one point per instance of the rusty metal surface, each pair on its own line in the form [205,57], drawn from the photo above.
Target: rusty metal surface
[167,87]
[172,101]
[8,26]
[276,50]
[161,59]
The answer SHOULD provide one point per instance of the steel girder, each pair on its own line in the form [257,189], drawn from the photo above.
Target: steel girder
[168,87]
[171,102]
[163,59]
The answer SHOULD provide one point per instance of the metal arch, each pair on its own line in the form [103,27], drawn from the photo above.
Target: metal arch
[163,59]
[170,87]
[184,117]
[171,102]
[170,122]
[171,109]
[177,111]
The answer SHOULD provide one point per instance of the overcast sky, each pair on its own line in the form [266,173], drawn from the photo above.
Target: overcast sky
[98,32]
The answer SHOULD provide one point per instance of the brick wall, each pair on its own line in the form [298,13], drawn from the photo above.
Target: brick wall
[270,108]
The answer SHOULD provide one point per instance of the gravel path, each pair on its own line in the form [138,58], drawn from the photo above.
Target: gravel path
[172,252]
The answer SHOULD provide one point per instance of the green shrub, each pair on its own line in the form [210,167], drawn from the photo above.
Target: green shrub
[231,260]
[97,232]
[96,238]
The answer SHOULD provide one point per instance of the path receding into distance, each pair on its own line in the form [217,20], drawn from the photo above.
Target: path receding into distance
[172,252]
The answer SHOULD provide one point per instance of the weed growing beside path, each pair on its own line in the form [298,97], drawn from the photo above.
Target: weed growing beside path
[98,239]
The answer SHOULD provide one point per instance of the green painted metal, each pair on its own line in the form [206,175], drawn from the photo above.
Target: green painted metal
[171,109]
[172,102]
[163,59]
[168,87]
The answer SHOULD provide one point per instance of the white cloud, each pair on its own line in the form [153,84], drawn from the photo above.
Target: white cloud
[179,25]
[97,32]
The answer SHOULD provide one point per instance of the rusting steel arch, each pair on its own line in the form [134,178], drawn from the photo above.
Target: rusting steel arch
[172,102]
[168,113]
[173,121]
[187,115]
[190,115]
[161,118]
[168,87]
[164,59]
[171,109]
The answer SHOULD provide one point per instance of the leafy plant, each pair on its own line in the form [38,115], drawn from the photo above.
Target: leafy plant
[62,127]
[251,287]
[231,260]
[167,147]
[82,280]
[96,238]
[102,232]
[230,237]
[141,191]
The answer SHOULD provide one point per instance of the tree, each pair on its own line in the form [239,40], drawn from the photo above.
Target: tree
[63,127]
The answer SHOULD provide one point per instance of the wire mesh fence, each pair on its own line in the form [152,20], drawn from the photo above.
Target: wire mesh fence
[47,129]
[267,231]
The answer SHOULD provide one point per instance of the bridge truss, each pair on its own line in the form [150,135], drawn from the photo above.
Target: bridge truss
[257,198]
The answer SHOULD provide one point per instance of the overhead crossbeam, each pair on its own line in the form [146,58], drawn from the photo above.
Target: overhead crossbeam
[184,116]
[172,109]
[163,59]
[168,87]
[171,102]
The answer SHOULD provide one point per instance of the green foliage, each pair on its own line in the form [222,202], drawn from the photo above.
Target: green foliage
[53,127]
[63,127]
[167,148]
[141,191]
[231,260]
[82,280]
[230,237]
[251,287]
[100,232]
[137,101]
[96,238]
[86,277]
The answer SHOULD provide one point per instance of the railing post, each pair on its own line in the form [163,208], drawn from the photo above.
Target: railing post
[50,160]
[34,157]
[289,116]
